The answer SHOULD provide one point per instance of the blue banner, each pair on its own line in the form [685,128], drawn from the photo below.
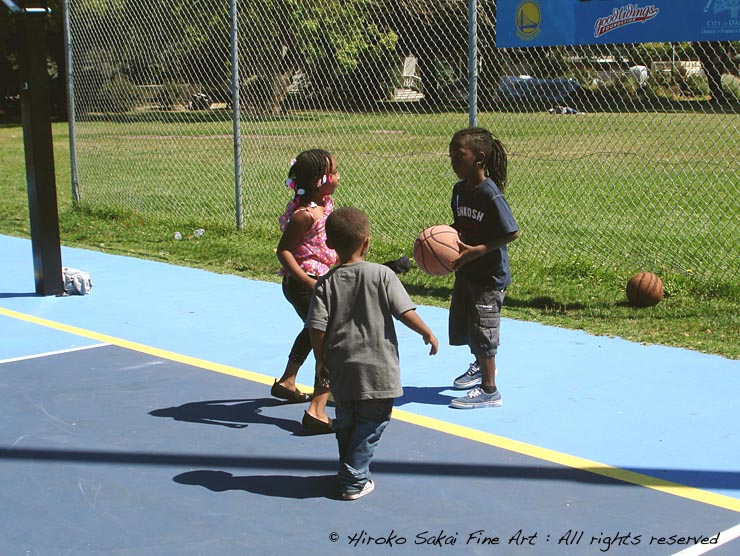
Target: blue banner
[522,23]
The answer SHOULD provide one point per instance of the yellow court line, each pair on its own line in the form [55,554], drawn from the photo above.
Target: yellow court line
[523,448]
[575,462]
[142,348]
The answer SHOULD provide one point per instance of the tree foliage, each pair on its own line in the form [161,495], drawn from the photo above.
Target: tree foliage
[337,52]
[54,40]
[333,51]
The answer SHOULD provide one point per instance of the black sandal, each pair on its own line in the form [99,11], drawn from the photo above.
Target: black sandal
[292,396]
[316,426]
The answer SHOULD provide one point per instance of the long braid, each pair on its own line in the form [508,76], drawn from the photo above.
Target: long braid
[497,164]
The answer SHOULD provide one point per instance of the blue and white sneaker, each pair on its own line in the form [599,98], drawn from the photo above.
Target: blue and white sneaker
[471,377]
[477,397]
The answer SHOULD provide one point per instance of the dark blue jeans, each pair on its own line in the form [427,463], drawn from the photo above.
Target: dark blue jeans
[358,427]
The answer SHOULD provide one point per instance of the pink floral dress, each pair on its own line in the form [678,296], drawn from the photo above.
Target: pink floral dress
[312,254]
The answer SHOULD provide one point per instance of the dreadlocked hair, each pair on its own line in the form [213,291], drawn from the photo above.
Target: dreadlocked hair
[309,167]
[481,140]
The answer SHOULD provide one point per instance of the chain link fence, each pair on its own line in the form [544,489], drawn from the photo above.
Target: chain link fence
[619,155]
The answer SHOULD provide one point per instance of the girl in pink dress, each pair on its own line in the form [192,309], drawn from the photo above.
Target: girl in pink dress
[304,256]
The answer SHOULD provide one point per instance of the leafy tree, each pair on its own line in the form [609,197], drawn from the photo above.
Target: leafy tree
[436,33]
[267,54]
[348,56]
[8,68]
[336,47]
[716,60]
[9,85]
[347,51]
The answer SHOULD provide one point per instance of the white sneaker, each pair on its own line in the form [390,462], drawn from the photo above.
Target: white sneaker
[367,489]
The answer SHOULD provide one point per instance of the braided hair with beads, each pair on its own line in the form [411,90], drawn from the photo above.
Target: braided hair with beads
[308,172]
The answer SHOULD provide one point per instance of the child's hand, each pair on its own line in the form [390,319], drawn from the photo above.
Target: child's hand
[414,322]
[467,254]
[431,339]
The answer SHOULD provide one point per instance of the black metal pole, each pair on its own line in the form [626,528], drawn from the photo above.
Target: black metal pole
[39,150]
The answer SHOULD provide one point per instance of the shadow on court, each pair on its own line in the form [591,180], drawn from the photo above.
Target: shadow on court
[239,413]
[235,414]
[12,295]
[282,486]
[429,395]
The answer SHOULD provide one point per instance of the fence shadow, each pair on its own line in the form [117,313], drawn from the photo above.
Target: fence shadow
[443,292]
[544,303]
[538,470]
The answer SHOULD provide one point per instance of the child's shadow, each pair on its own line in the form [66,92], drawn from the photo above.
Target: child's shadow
[237,414]
[430,395]
[283,486]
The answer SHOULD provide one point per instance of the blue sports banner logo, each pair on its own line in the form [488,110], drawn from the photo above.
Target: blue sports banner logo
[528,18]
[522,23]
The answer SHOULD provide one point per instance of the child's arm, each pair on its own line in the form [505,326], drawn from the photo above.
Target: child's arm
[317,343]
[471,252]
[298,226]
[414,322]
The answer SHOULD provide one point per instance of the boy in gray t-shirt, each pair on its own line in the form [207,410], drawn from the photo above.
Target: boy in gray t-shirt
[355,344]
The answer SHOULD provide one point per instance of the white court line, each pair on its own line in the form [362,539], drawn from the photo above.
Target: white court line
[724,537]
[39,355]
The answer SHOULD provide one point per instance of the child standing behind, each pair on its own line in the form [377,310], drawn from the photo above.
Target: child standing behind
[486,226]
[355,345]
[304,257]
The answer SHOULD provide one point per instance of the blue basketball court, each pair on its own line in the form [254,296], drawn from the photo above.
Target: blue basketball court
[137,420]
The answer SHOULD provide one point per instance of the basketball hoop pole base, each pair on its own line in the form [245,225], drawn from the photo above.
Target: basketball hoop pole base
[39,152]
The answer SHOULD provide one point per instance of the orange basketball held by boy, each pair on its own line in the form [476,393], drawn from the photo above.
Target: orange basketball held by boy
[435,249]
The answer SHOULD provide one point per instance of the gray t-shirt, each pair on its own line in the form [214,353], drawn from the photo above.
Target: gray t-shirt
[353,304]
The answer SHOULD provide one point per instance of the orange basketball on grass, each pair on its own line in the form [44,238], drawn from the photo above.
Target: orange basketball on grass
[435,248]
[644,289]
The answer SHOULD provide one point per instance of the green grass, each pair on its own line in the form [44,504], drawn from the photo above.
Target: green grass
[552,285]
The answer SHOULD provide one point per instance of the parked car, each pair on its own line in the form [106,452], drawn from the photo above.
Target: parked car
[533,89]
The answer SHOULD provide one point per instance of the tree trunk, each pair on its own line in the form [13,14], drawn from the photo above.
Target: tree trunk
[715,61]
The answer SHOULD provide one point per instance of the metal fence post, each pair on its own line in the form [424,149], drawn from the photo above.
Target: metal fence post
[235,110]
[71,114]
[473,62]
